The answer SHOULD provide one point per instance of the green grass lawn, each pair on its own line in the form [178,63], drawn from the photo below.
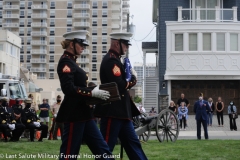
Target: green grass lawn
[181,149]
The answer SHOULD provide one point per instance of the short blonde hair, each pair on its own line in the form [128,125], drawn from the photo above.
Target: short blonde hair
[65,44]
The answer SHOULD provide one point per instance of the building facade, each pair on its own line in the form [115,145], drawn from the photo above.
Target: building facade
[10,45]
[199,50]
[41,24]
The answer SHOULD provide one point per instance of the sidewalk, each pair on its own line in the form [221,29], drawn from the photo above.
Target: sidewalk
[214,132]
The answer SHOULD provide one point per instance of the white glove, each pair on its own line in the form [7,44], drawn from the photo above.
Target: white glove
[55,115]
[98,93]
[133,72]
[37,124]
[11,126]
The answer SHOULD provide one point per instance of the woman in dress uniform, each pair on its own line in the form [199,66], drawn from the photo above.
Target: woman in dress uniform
[74,113]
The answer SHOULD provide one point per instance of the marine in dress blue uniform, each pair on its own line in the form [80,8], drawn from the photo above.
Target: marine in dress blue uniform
[76,115]
[201,108]
[116,117]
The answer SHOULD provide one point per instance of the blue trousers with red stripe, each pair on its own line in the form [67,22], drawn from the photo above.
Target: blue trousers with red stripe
[112,128]
[73,135]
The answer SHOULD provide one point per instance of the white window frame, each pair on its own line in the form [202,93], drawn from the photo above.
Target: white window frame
[94,3]
[231,43]
[94,48]
[105,21]
[52,4]
[219,46]
[94,39]
[204,41]
[52,30]
[51,66]
[94,30]
[51,75]
[69,12]
[69,21]
[69,4]
[105,3]
[179,43]
[190,42]
[94,12]
[69,29]
[105,12]
[51,58]
[104,39]
[52,12]
[52,39]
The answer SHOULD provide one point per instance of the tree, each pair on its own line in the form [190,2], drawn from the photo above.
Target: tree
[137,99]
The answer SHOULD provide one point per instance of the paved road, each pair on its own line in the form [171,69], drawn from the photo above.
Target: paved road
[214,131]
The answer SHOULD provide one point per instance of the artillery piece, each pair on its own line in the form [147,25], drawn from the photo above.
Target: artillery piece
[165,123]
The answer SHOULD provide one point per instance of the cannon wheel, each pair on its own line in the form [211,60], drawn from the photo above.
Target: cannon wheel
[136,121]
[167,127]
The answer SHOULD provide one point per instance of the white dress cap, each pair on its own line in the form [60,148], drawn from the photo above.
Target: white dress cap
[123,36]
[79,36]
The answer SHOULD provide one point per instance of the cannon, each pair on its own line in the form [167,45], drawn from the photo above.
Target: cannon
[165,124]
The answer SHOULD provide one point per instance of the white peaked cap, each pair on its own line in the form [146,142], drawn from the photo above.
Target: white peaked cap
[124,36]
[79,35]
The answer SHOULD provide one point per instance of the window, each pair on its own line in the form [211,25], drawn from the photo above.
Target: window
[0,22]
[193,42]
[21,13]
[207,43]
[51,58]
[233,42]
[94,13]
[0,14]
[22,4]
[51,49]
[51,40]
[21,58]
[69,22]
[22,40]
[21,31]
[29,22]
[52,5]
[52,31]
[28,58]
[51,75]
[94,22]
[69,29]
[52,22]
[94,58]
[22,49]
[94,48]
[69,13]
[29,4]
[104,40]
[29,30]
[29,48]
[94,40]
[104,4]
[29,39]
[29,13]
[52,13]
[94,67]
[1,47]
[178,42]
[104,13]
[51,67]
[21,23]
[104,48]
[104,22]
[220,41]
[94,31]
[104,30]
[94,4]
[69,4]
[1,4]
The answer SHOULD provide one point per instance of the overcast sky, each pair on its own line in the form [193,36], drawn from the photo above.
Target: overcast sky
[142,12]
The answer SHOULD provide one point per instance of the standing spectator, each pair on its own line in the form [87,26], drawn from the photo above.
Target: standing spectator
[33,105]
[55,125]
[44,112]
[183,99]
[219,109]
[210,113]
[172,107]
[152,111]
[183,115]
[232,111]
[141,109]
[200,109]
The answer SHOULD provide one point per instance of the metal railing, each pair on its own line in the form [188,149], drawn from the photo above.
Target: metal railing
[39,24]
[11,7]
[10,25]
[10,15]
[39,33]
[39,15]
[81,24]
[36,42]
[39,7]
[38,69]
[38,51]
[81,6]
[38,60]
[199,14]
[81,15]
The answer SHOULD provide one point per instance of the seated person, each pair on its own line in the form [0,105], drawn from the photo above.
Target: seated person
[32,122]
[8,122]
